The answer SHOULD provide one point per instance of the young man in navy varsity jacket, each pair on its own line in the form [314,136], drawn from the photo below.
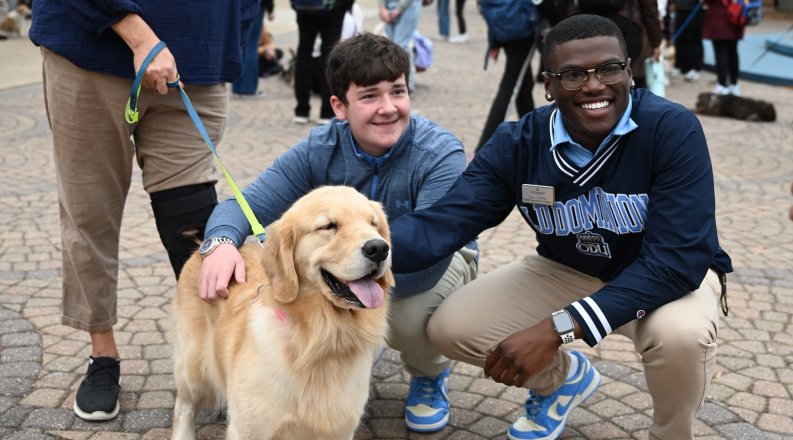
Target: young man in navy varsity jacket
[618,187]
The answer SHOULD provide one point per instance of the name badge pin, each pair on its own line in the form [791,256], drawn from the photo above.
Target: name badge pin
[537,194]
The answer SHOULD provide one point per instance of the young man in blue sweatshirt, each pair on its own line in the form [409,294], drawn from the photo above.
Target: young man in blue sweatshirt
[405,162]
[617,185]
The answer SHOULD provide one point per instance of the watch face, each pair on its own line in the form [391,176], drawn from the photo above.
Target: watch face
[562,323]
[206,246]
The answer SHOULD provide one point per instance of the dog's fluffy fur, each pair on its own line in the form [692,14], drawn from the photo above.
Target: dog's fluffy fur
[290,351]
[737,107]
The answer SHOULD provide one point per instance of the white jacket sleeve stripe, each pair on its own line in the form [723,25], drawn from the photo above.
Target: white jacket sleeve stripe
[599,313]
[588,321]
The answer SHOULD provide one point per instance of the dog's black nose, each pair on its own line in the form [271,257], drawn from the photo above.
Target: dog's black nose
[376,250]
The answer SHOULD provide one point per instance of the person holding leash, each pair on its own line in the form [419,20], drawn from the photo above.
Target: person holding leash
[91,55]
[404,162]
[617,185]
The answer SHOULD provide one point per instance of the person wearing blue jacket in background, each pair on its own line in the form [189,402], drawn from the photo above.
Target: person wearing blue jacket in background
[91,52]
[246,87]
[404,162]
[617,185]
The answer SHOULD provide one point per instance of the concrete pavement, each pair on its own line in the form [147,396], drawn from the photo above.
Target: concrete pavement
[42,362]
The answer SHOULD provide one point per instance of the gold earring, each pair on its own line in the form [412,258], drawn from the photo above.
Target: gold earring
[548,96]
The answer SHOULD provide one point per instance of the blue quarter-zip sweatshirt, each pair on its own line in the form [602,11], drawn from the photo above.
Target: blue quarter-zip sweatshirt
[416,172]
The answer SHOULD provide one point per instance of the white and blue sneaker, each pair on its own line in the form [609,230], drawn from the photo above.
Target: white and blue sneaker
[427,407]
[546,415]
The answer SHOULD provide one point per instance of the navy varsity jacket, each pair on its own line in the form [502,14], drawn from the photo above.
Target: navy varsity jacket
[640,216]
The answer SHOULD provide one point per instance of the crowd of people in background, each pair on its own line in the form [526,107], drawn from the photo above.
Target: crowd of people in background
[681,24]
[443,22]
[691,21]
[665,30]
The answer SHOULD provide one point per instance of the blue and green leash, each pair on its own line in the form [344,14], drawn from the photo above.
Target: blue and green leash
[131,115]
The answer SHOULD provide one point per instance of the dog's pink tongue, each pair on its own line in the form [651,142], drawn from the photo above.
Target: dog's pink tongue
[369,292]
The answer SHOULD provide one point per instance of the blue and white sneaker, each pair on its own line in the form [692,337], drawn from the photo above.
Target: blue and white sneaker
[427,407]
[546,415]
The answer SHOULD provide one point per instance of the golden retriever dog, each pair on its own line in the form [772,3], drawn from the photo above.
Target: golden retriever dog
[290,352]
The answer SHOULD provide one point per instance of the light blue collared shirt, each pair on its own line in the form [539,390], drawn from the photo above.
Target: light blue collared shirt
[576,152]
[373,161]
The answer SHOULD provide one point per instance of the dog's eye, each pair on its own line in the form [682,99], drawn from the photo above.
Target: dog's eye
[329,226]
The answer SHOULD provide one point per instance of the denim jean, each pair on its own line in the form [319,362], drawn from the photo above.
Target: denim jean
[401,33]
[443,17]
[248,81]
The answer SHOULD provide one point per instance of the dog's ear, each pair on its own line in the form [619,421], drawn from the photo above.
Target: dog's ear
[388,279]
[385,232]
[279,261]
[382,221]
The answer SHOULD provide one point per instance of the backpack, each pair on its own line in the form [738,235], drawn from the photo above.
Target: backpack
[422,50]
[510,20]
[599,7]
[312,5]
[744,12]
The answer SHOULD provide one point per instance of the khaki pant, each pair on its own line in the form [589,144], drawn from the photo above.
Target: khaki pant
[94,150]
[677,342]
[408,318]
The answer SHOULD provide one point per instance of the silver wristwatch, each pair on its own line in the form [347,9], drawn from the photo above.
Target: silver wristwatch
[211,244]
[563,325]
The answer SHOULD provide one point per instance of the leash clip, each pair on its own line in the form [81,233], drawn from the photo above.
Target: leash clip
[131,115]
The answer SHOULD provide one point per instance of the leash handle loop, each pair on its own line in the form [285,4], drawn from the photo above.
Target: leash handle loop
[131,115]
[131,111]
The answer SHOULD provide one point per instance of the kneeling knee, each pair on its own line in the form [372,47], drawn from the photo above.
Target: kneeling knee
[683,339]
[181,214]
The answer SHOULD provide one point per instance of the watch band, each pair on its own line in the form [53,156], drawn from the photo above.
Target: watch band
[210,245]
[567,332]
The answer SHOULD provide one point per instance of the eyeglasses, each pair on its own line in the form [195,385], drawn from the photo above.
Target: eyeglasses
[607,73]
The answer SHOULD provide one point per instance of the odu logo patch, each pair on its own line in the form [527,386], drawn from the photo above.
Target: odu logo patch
[593,245]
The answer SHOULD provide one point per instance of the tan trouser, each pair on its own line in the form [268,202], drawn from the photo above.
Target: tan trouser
[94,149]
[677,342]
[408,318]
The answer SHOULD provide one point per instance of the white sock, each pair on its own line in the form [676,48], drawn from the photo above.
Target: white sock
[573,365]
